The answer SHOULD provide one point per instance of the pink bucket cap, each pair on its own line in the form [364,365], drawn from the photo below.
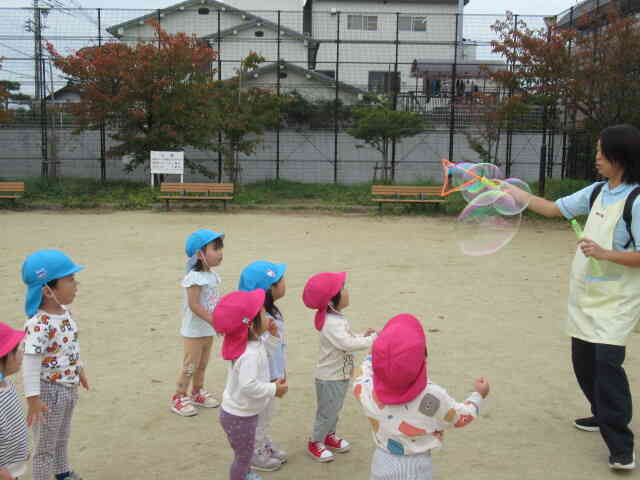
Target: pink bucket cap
[232,317]
[9,338]
[399,361]
[319,291]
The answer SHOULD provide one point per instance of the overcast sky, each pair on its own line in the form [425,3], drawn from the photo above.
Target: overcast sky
[522,7]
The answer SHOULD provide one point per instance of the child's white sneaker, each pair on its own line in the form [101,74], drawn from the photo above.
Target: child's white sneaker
[275,452]
[181,404]
[263,462]
[202,398]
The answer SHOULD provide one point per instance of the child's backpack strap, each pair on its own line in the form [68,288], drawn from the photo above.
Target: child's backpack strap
[627,214]
[594,194]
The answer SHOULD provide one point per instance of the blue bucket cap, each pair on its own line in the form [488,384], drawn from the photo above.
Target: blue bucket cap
[42,267]
[261,275]
[199,239]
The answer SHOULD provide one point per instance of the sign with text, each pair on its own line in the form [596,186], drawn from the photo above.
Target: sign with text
[167,162]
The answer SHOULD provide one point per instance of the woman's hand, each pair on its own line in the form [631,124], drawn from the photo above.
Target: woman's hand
[36,408]
[592,249]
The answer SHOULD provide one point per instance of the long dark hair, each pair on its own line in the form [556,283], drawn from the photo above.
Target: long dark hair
[621,145]
[269,303]
[255,323]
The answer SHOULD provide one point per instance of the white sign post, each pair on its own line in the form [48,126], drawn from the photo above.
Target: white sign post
[168,163]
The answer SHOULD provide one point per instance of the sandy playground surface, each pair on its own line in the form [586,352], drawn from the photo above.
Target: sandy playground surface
[500,316]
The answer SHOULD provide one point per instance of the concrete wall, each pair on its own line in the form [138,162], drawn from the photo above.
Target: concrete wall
[305,156]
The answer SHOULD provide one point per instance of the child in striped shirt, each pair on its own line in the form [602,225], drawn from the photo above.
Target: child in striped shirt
[14,449]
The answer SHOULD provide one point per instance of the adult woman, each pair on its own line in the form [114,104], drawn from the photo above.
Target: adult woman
[604,306]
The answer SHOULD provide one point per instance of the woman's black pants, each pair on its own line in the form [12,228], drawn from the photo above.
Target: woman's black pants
[598,368]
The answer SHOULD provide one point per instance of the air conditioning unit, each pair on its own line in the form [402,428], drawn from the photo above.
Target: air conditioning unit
[333,11]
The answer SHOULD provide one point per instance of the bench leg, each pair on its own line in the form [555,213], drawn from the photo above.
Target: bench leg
[380,207]
[224,205]
[167,204]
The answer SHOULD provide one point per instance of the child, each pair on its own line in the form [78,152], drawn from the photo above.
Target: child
[14,449]
[269,277]
[326,293]
[202,292]
[241,317]
[52,366]
[407,413]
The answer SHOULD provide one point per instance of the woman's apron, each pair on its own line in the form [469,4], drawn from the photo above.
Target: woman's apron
[603,309]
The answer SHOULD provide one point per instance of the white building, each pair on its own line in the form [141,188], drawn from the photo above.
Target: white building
[369,45]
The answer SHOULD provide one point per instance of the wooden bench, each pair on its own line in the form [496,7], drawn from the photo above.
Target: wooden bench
[405,194]
[196,191]
[11,190]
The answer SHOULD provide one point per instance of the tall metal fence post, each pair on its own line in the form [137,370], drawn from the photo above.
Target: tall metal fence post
[454,79]
[563,161]
[103,133]
[41,90]
[218,47]
[395,85]
[335,104]
[278,93]
[509,146]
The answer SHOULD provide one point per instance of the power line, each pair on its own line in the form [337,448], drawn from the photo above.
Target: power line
[16,73]
[15,49]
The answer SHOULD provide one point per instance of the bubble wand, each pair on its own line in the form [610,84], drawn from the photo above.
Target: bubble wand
[448,165]
[596,269]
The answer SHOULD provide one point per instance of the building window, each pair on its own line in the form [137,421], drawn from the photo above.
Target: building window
[328,73]
[408,23]
[384,82]
[362,22]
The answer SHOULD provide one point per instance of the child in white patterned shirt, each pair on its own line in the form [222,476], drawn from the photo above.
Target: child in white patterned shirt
[52,366]
[408,413]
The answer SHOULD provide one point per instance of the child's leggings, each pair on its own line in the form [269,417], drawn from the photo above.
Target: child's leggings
[241,432]
[53,431]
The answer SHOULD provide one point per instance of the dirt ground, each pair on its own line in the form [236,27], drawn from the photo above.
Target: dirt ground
[500,316]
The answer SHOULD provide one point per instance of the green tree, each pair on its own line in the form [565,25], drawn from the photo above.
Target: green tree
[243,114]
[379,126]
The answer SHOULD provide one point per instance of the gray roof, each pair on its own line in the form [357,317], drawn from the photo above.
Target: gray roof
[212,5]
[319,77]
[257,22]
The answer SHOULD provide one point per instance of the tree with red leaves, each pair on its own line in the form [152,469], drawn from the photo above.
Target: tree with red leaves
[5,115]
[149,96]
[591,68]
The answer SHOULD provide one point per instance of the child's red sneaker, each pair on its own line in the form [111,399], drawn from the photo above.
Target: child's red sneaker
[336,444]
[319,452]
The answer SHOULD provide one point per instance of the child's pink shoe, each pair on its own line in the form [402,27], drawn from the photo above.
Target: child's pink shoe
[319,453]
[336,444]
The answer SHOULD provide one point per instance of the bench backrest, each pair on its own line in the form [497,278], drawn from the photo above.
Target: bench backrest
[400,190]
[167,187]
[12,187]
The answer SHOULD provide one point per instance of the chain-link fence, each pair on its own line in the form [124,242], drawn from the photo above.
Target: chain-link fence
[433,62]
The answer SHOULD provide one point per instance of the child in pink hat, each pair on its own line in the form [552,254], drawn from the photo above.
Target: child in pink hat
[14,446]
[241,318]
[408,413]
[326,293]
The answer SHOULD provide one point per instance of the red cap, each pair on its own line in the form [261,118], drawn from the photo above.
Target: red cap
[9,338]
[232,317]
[319,291]
[399,360]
